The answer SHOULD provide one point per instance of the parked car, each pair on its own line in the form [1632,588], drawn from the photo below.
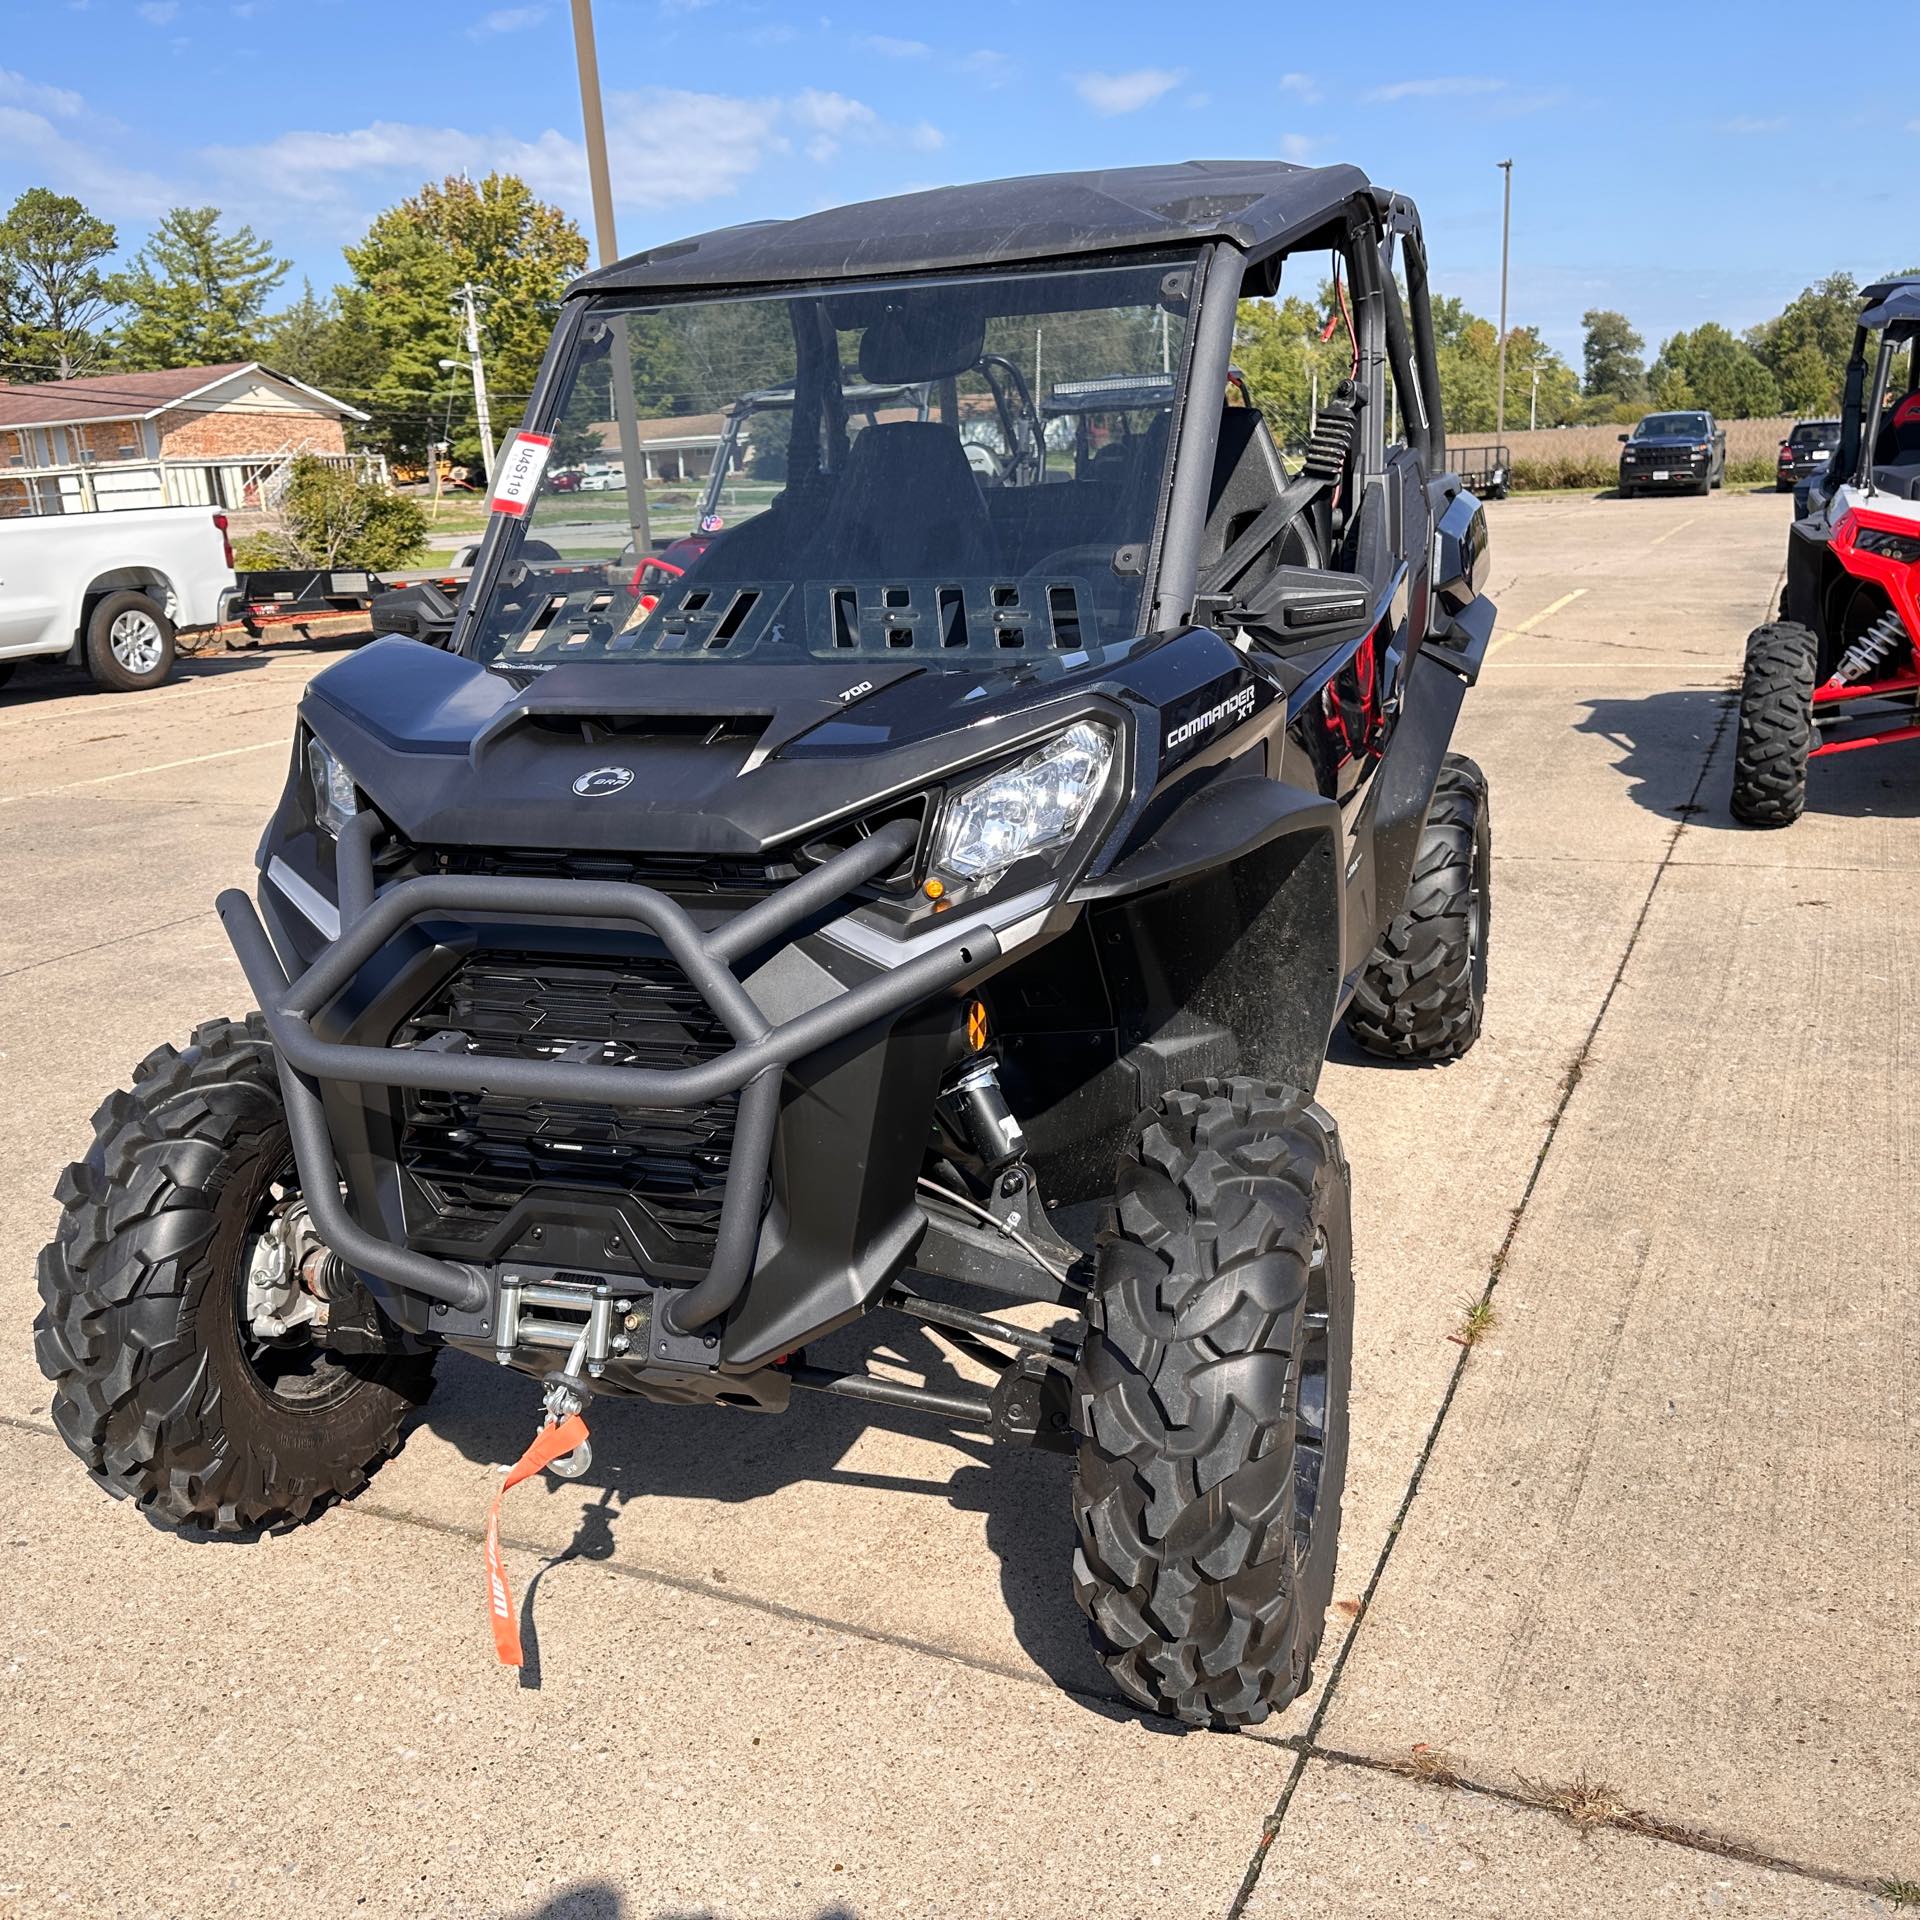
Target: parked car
[1673,453]
[108,591]
[601,476]
[1806,451]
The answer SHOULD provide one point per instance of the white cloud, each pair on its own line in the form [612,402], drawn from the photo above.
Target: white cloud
[37,97]
[1297,147]
[650,132]
[75,163]
[1112,93]
[988,65]
[507,20]
[158,13]
[1303,86]
[886,45]
[1437,87]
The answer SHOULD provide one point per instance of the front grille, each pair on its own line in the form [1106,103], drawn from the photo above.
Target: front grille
[475,1156]
[685,876]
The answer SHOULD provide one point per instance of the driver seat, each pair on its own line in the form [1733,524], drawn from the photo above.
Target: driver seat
[906,504]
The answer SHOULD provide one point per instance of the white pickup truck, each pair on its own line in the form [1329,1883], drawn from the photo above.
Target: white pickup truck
[109,590]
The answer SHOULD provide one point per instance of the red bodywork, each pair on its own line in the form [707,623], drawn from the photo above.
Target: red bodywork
[1900,580]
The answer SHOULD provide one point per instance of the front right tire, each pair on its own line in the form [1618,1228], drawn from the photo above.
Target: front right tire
[1212,1400]
[158,1385]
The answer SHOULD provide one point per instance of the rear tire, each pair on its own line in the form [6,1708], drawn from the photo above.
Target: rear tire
[1424,992]
[1212,1400]
[129,643]
[1775,735]
[140,1328]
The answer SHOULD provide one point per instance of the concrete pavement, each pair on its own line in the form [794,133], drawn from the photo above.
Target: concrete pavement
[1654,1537]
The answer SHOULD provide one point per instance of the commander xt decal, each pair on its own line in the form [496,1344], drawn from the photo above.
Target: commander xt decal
[1214,709]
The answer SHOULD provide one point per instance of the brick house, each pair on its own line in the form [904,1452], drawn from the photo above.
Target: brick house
[188,436]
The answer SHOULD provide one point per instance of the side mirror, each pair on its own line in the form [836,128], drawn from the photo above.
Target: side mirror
[1460,552]
[1623,439]
[1303,606]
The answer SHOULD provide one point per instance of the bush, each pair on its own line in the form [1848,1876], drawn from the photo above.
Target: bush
[1554,471]
[329,517]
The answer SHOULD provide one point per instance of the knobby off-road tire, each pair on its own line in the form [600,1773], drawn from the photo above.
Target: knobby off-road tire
[1212,1401]
[143,1288]
[1424,991]
[1775,732]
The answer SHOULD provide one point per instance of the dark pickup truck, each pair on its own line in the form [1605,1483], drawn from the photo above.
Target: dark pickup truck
[1673,453]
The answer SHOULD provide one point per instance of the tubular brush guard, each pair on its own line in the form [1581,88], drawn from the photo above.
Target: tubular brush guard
[752,1067]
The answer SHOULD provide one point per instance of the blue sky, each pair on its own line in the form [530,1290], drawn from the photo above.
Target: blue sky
[1676,161]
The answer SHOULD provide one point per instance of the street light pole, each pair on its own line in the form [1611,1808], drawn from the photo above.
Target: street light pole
[1506,232]
[1533,405]
[600,179]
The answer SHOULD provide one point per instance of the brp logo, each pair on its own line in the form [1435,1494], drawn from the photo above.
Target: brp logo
[603,781]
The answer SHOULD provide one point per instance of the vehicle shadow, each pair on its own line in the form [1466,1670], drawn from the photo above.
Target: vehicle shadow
[1663,739]
[731,1457]
[33,681]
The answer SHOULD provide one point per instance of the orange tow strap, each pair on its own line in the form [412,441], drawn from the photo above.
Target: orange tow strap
[548,1445]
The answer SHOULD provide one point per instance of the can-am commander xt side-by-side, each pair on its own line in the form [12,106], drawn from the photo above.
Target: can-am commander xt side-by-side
[981,834]
[1840,669]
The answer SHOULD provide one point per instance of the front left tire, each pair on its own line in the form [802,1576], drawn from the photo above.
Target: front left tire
[159,1385]
[1211,1396]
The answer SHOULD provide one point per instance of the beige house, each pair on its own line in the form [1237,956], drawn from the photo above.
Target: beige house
[190,436]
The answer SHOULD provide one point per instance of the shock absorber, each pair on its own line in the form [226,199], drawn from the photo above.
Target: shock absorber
[1871,651]
[975,1110]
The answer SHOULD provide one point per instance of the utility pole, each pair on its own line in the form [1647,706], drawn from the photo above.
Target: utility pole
[593,123]
[1533,405]
[1506,234]
[478,368]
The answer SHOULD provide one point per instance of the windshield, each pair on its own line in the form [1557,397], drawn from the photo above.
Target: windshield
[1671,426]
[960,472]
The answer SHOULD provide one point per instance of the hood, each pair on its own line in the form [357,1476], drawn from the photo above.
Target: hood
[719,759]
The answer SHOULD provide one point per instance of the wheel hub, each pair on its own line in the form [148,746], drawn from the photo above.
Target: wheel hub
[135,640]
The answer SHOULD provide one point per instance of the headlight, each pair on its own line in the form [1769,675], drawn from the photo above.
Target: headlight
[335,798]
[1040,803]
[1904,547]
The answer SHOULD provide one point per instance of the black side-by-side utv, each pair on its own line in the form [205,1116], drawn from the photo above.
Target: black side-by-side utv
[698,954]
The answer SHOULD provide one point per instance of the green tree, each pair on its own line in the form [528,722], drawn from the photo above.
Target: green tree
[1805,347]
[408,269]
[195,296]
[1614,369]
[327,342]
[1277,346]
[330,517]
[53,295]
[1710,368]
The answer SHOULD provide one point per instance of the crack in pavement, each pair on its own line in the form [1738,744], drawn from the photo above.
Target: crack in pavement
[1309,1747]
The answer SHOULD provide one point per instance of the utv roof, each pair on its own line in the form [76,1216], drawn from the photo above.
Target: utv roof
[1258,205]
[1892,304]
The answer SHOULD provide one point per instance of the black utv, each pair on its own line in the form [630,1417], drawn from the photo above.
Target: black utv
[691,959]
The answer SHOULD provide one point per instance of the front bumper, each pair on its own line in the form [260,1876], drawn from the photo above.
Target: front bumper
[1677,473]
[472,1299]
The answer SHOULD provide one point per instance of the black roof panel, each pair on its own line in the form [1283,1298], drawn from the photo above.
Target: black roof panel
[1892,303]
[1255,204]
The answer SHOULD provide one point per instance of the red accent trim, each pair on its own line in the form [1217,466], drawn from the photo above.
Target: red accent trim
[1865,740]
[1907,411]
[1829,695]
[652,560]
